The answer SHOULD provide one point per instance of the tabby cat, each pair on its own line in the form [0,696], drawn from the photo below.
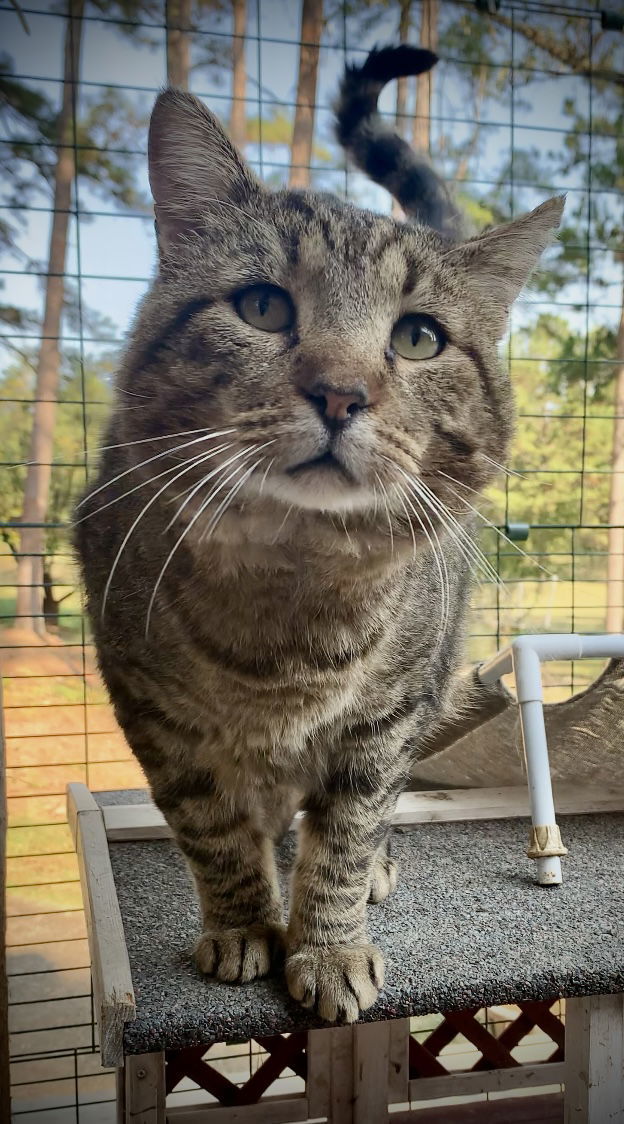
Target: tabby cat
[278,546]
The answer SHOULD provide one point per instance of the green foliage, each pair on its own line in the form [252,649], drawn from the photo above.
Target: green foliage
[72,423]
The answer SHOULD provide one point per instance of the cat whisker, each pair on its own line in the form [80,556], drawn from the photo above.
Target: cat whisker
[281,526]
[209,435]
[202,507]
[443,511]
[141,440]
[198,458]
[501,468]
[244,453]
[265,474]
[146,440]
[387,510]
[496,529]
[469,550]
[229,499]
[438,557]
[136,522]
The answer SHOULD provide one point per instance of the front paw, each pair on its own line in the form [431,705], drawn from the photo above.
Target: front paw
[337,982]
[239,955]
[383,879]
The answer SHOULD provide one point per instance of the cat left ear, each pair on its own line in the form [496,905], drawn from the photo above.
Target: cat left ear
[500,262]
[193,166]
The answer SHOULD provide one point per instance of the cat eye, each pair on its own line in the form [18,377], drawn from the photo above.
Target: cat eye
[416,336]
[265,307]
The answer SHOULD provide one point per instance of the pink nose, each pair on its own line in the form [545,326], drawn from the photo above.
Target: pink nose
[337,406]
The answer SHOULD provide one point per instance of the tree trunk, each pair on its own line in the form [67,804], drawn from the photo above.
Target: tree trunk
[401,94]
[178,20]
[303,132]
[38,473]
[421,134]
[615,566]
[238,114]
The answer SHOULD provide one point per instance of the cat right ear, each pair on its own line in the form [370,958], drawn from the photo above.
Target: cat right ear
[193,166]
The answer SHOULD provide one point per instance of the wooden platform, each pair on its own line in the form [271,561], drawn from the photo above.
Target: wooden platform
[468,927]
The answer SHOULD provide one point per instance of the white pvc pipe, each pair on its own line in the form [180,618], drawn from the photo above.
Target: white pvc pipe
[524,657]
[527,669]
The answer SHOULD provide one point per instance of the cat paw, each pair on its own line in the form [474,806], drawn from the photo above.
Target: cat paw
[383,879]
[239,955]
[336,982]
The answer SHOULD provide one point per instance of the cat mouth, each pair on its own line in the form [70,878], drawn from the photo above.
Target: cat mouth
[327,462]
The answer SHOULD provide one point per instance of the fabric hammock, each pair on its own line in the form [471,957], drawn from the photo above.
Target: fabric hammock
[483,747]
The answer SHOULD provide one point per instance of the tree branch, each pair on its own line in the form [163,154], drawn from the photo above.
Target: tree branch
[576,62]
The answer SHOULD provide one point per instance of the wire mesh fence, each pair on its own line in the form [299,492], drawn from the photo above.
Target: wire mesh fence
[526,101]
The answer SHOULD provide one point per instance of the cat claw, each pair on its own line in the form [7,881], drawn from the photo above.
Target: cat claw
[239,955]
[337,983]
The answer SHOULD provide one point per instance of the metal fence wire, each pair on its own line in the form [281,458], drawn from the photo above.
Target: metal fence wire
[526,101]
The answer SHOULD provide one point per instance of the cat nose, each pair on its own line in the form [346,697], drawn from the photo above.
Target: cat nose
[337,407]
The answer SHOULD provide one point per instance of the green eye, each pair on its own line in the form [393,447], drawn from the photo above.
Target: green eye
[265,307]
[417,336]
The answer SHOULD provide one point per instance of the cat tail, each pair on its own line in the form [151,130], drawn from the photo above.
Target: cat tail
[378,150]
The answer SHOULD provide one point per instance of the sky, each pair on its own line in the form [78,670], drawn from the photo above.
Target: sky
[115,252]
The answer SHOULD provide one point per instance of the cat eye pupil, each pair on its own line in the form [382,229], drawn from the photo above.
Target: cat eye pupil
[266,307]
[417,337]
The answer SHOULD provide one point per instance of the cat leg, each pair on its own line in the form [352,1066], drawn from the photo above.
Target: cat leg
[384,874]
[233,863]
[330,964]
[222,837]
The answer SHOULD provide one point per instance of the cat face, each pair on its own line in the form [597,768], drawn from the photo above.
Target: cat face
[347,354]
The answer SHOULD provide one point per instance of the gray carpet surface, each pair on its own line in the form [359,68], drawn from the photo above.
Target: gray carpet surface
[467,926]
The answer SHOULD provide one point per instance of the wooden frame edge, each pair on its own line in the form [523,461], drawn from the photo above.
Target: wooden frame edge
[113,992]
[128,822]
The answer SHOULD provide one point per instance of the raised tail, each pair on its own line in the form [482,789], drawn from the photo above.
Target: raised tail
[378,150]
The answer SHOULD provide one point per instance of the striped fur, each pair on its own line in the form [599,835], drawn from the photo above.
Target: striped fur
[283,647]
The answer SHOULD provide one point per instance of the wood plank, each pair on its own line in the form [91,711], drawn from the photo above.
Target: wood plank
[319,1072]
[79,799]
[342,1080]
[371,1055]
[144,1091]
[594,1062]
[398,1062]
[5,1086]
[273,1110]
[546,1109]
[144,821]
[485,1081]
[113,993]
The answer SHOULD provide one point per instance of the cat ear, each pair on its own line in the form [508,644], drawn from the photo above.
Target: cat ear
[500,262]
[193,166]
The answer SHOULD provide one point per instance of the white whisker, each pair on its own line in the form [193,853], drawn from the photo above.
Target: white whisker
[439,560]
[478,557]
[387,510]
[265,474]
[244,453]
[494,528]
[281,526]
[135,524]
[229,499]
[166,452]
[185,532]
[501,467]
[198,458]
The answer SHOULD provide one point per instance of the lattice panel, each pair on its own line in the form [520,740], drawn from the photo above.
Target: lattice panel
[495,1049]
[284,1052]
